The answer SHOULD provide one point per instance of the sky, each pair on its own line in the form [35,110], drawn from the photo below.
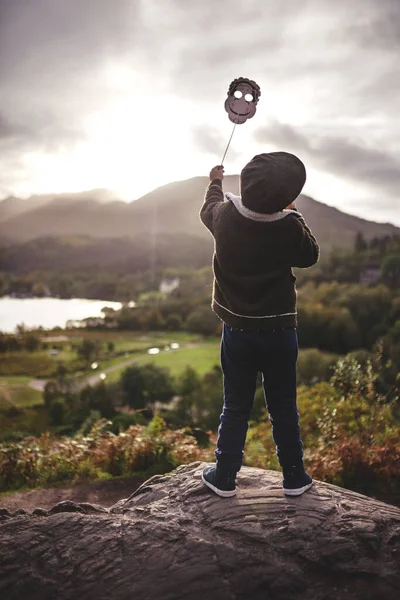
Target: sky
[129,95]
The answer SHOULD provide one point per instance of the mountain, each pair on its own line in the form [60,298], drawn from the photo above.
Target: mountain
[14,207]
[170,209]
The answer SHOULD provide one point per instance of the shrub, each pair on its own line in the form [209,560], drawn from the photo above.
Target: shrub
[202,320]
[314,365]
[48,460]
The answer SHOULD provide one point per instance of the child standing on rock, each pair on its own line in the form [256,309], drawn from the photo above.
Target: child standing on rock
[259,236]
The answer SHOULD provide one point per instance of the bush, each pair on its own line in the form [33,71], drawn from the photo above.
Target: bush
[123,421]
[144,385]
[314,365]
[174,322]
[99,453]
[202,320]
[350,430]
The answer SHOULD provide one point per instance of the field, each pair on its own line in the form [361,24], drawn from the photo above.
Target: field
[14,391]
[202,358]
[19,370]
[23,375]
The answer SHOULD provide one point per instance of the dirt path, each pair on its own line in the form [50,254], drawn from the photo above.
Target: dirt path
[105,493]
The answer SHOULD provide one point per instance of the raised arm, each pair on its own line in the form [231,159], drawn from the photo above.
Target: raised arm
[214,196]
[303,247]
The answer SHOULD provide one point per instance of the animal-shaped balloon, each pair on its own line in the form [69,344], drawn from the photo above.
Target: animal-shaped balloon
[243,95]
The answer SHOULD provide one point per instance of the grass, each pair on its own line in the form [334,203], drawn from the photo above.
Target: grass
[202,358]
[14,380]
[137,348]
[14,391]
[34,364]
[118,337]
[18,369]
[25,396]
[63,355]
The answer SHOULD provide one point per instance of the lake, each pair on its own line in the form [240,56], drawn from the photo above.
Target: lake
[47,312]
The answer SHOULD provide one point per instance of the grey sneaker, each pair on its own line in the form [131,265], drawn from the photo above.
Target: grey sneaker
[296,481]
[219,482]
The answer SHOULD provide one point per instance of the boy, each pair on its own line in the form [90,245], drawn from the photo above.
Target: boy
[258,238]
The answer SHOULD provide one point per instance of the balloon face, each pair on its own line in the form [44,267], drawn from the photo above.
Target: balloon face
[243,95]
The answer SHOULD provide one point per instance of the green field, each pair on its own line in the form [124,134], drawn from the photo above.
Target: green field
[202,358]
[14,391]
[18,369]
[136,346]
[122,337]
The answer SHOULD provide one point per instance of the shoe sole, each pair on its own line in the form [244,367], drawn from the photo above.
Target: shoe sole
[222,493]
[297,491]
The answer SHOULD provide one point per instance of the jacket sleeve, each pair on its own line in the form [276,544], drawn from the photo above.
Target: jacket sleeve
[213,199]
[303,247]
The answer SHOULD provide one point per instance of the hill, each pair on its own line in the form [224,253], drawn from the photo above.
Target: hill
[119,255]
[14,207]
[170,209]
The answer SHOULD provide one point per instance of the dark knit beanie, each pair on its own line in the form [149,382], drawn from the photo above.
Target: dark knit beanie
[270,182]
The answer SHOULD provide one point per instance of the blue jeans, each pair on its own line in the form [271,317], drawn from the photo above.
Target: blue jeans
[243,355]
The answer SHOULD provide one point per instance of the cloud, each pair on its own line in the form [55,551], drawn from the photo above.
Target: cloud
[340,156]
[329,70]
[378,27]
[208,141]
[9,130]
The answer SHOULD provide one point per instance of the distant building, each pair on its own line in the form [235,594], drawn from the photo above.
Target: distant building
[167,286]
[370,273]
[55,339]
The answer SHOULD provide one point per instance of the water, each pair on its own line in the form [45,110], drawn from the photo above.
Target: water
[47,312]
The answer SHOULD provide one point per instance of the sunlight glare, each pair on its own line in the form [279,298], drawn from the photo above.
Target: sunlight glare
[144,141]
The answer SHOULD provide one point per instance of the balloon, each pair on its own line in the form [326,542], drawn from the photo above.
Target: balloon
[243,95]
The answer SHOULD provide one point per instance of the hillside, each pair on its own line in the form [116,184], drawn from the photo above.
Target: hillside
[169,209]
[14,207]
[118,255]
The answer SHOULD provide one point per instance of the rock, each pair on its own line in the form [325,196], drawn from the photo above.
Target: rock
[174,539]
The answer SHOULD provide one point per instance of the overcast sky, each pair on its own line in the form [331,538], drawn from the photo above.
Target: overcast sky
[129,94]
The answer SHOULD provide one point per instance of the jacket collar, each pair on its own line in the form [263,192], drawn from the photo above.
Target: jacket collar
[254,216]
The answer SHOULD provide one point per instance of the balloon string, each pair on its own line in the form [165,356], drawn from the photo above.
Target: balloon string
[230,139]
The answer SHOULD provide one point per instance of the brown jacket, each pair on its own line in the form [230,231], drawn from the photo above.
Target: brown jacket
[254,287]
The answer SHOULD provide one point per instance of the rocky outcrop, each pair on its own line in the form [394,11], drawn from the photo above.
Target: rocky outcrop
[173,538]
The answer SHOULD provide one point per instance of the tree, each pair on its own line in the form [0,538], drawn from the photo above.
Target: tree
[174,322]
[158,384]
[360,245]
[20,329]
[189,407]
[143,386]
[133,387]
[188,382]
[51,392]
[99,398]
[390,270]
[57,411]
[369,309]
[32,342]
[88,350]
[202,320]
